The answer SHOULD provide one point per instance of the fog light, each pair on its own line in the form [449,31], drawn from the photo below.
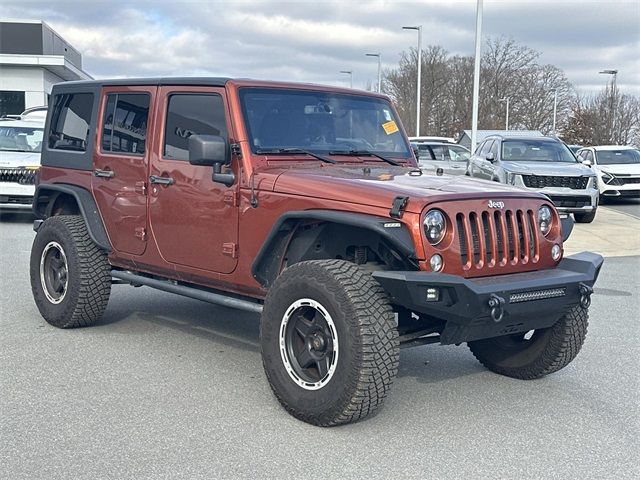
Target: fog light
[436,263]
[433,294]
[556,252]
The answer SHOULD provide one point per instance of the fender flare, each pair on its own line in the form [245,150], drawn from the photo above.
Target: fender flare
[86,204]
[275,245]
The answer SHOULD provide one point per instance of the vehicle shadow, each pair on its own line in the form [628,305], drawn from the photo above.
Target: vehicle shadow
[142,310]
[436,363]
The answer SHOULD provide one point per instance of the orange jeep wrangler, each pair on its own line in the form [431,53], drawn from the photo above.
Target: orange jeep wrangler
[302,203]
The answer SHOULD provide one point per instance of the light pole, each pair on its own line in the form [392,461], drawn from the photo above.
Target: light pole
[614,74]
[555,108]
[350,73]
[379,71]
[476,77]
[506,123]
[419,29]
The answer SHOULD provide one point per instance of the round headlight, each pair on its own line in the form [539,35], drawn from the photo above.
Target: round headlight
[435,226]
[544,219]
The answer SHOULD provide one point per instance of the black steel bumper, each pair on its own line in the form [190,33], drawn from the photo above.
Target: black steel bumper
[493,306]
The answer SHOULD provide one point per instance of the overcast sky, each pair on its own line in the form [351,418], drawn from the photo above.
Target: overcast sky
[312,41]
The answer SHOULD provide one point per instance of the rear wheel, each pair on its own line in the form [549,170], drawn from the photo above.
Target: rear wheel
[329,342]
[585,217]
[536,353]
[70,275]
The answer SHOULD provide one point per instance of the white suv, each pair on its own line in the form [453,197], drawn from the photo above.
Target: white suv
[20,145]
[617,167]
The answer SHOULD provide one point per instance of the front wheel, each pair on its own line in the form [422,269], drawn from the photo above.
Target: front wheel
[536,353]
[329,341]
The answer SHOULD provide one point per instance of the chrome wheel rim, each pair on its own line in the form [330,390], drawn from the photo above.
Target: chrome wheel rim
[308,344]
[54,272]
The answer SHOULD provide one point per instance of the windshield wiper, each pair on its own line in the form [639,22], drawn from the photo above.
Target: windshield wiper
[358,153]
[293,151]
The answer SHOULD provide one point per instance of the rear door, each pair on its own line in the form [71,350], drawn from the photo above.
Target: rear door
[194,220]
[121,161]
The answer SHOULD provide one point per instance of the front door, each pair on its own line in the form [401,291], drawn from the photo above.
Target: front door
[194,220]
[121,163]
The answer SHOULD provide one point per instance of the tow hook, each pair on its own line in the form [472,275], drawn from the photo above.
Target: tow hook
[585,295]
[496,304]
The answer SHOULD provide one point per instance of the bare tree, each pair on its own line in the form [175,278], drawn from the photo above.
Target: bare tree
[608,118]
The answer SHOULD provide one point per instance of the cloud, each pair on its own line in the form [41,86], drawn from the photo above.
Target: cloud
[312,41]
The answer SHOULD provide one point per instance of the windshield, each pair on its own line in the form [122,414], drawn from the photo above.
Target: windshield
[20,139]
[321,122]
[618,157]
[536,151]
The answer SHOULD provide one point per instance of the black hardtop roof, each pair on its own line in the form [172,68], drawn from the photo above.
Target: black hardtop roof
[196,81]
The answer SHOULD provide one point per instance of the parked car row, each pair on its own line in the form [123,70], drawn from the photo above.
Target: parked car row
[576,179]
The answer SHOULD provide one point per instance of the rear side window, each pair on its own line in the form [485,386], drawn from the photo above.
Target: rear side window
[192,114]
[125,123]
[70,121]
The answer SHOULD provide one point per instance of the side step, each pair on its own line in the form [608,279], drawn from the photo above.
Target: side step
[186,291]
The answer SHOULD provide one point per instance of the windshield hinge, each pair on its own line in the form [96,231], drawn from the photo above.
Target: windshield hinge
[397,207]
[235,149]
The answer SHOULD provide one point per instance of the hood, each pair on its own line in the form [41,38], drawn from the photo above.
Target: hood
[19,159]
[629,169]
[547,168]
[378,185]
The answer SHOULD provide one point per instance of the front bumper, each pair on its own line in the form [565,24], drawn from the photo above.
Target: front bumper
[530,300]
[15,195]
[568,200]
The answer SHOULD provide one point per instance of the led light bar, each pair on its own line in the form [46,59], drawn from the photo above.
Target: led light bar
[536,295]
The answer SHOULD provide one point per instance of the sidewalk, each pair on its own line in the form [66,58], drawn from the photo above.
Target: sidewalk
[612,234]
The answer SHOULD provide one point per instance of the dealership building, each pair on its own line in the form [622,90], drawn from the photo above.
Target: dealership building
[33,57]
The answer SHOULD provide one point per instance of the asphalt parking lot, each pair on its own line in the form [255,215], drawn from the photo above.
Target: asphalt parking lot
[168,387]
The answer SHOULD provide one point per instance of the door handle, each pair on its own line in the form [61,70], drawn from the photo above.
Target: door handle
[104,173]
[166,181]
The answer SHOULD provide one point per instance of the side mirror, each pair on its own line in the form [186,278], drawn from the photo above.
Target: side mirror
[490,157]
[211,150]
[588,163]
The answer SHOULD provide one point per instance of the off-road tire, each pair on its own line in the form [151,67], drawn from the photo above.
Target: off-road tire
[367,335]
[553,349]
[585,217]
[88,273]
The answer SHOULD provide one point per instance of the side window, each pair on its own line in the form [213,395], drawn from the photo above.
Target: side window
[424,152]
[589,156]
[70,121]
[192,114]
[581,155]
[486,147]
[479,148]
[494,149]
[125,123]
[439,152]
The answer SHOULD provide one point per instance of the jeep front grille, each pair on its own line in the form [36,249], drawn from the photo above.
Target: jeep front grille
[497,238]
[541,181]
[23,176]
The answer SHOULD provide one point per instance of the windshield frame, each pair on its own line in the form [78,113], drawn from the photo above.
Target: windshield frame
[571,158]
[405,156]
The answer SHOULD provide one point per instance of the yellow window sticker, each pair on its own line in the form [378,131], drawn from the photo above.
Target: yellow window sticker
[390,127]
